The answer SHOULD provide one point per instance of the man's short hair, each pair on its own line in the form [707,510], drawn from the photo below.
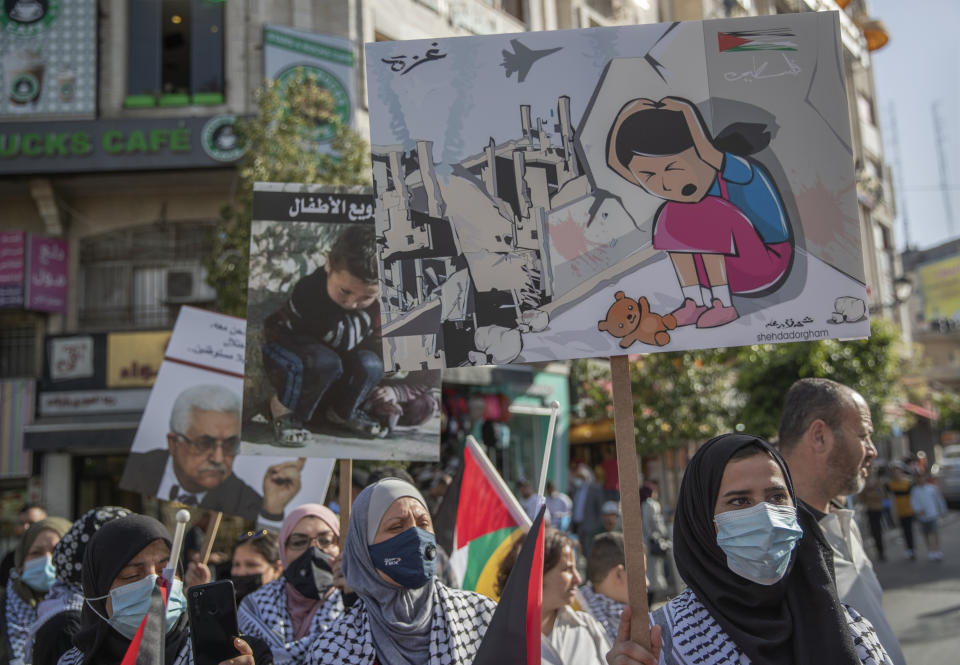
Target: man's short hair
[30,505]
[605,555]
[205,397]
[809,400]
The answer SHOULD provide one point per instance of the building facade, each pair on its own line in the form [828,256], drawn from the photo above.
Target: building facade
[129,160]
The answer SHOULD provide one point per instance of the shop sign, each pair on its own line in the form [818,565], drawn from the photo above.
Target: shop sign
[48,58]
[118,144]
[47,270]
[88,402]
[13,259]
[134,358]
[293,54]
[71,358]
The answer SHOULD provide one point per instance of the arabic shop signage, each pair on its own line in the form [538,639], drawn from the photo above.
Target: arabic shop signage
[33,272]
[118,145]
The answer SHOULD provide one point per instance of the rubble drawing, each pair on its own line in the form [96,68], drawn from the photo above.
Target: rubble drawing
[520,223]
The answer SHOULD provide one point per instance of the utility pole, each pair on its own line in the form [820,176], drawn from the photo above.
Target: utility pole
[942,160]
[898,176]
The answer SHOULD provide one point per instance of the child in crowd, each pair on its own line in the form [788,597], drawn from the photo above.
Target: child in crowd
[928,506]
[321,345]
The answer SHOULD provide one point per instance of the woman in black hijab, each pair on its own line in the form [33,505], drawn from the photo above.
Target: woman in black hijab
[120,568]
[760,584]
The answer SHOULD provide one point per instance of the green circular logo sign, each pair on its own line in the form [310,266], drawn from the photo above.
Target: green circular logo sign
[219,140]
[24,88]
[341,98]
[27,18]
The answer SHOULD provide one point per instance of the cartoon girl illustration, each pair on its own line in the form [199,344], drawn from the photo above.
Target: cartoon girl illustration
[723,223]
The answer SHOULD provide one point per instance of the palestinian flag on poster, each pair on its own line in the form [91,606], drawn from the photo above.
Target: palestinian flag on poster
[147,645]
[773,39]
[516,621]
[478,521]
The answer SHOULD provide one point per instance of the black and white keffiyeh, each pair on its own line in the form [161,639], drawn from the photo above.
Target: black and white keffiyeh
[68,553]
[60,598]
[75,657]
[691,636]
[264,614]
[604,609]
[460,619]
[19,616]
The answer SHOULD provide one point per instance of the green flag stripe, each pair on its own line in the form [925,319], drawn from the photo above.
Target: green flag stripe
[481,549]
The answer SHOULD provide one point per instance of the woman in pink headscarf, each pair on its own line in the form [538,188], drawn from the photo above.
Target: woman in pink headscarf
[290,612]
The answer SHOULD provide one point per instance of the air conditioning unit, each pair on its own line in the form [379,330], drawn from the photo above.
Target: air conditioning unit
[188,285]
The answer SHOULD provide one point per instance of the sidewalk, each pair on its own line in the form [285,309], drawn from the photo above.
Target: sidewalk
[922,598]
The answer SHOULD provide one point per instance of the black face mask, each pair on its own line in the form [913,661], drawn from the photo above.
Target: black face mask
[311,573]
[244,585]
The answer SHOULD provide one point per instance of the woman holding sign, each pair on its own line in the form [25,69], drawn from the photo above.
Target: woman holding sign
[292,611]
[404,615]
[760,589]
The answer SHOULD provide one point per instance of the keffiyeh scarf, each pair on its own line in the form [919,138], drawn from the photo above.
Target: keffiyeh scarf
[264,614]
[460,619]
[691,636]
[604,609]
[19,616]
[61,598]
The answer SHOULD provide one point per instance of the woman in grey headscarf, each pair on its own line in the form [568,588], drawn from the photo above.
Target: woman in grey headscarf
[404,615]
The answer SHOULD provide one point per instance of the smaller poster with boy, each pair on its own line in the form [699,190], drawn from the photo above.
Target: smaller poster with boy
[315,384]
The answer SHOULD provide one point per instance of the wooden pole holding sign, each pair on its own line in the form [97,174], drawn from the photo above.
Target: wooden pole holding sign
[630,505]
[346,497]
[211,536]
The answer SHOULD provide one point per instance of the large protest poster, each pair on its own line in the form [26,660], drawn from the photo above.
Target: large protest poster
[315,382]
[187,447]
[614,190]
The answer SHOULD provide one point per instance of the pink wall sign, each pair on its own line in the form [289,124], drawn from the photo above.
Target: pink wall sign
[13,257]
[47,274]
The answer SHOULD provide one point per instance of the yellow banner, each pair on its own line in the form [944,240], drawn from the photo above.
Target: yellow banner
[134,358]
[940,282]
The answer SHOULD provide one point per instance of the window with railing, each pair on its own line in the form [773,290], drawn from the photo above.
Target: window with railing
[138,278]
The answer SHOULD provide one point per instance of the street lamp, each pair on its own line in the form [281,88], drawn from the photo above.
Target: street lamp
[902,290]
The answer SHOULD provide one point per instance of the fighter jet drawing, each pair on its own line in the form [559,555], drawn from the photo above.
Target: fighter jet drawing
[522,59]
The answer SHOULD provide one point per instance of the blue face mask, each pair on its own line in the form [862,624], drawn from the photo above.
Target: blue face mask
[758,540]
[131,602]
[39,574]
[409,558]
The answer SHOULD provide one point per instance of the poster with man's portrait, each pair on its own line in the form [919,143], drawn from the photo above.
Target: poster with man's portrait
[315,382]
[187,447]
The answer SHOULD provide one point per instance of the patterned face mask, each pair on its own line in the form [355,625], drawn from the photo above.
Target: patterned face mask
[409,558]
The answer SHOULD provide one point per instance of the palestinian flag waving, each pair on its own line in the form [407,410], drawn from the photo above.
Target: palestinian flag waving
[478,521]
[516,620]
[147,645]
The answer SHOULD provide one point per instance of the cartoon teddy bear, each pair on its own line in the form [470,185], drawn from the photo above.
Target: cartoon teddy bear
[633,321]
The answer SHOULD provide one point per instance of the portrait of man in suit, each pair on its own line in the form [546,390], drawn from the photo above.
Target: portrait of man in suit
[196,467]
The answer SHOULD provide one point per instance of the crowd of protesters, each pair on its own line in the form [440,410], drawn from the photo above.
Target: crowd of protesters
[771,566]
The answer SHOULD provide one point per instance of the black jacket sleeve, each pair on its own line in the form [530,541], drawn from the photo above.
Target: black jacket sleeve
[55,638]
